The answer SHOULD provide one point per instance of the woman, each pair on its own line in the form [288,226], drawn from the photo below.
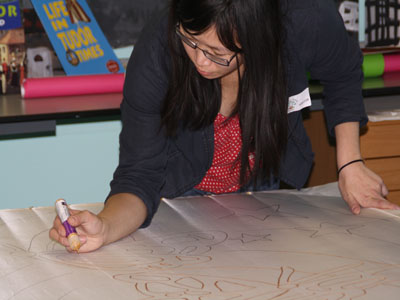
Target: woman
[206,109]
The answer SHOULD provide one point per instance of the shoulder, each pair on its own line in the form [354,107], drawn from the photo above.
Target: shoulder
[307,16]
[311,23]
[147,73]
[294,5]
[150,56]
[155,31]
[152,45]
[307,6]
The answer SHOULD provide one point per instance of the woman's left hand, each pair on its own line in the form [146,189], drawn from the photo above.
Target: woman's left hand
[361,187]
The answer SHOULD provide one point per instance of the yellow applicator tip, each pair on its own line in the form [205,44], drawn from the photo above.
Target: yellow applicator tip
[74,242]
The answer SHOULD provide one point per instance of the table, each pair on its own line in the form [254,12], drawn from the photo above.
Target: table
[280,245]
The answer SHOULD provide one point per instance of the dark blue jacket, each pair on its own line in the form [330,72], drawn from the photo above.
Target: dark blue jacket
[152,166]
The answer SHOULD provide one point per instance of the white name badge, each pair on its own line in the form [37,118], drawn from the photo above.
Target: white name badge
[299,101]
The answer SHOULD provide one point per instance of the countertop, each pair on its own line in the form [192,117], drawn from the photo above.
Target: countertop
[15,109]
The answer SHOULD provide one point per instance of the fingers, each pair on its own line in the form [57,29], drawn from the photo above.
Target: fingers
[73,211]
[380,203]
[355,208]
[82,249]
[373,199]
[88,226]
[58,225]
[376,197]
[78,218]
[351,201]
[375,202]
[384,190]
[58,235]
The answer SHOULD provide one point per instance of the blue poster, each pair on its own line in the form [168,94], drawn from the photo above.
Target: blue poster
[76,37]
[10,15]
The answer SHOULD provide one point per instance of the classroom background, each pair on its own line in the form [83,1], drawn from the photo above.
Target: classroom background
[67,146]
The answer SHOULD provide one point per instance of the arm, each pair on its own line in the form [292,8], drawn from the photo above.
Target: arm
[143,146]
[137,181]
[359,186]
[337,63]
[122,214]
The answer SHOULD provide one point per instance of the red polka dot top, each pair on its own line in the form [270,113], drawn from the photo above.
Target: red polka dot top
[223,176]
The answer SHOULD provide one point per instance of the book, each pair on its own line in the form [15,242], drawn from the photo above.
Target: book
[12,47]
[76,37]
[10,15]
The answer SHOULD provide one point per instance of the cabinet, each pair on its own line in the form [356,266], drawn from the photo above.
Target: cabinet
[76,164]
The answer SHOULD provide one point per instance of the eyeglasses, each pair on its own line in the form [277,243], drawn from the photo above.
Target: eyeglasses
[216,59]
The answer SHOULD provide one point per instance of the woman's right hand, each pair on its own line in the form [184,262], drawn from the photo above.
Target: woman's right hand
[90,229]
[122,214]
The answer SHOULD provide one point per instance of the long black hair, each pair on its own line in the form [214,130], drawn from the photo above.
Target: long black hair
[194,102]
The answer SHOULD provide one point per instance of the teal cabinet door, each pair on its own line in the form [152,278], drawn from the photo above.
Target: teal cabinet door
[76,164]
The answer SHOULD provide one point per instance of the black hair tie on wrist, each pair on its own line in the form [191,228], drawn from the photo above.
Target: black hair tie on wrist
[349,163]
